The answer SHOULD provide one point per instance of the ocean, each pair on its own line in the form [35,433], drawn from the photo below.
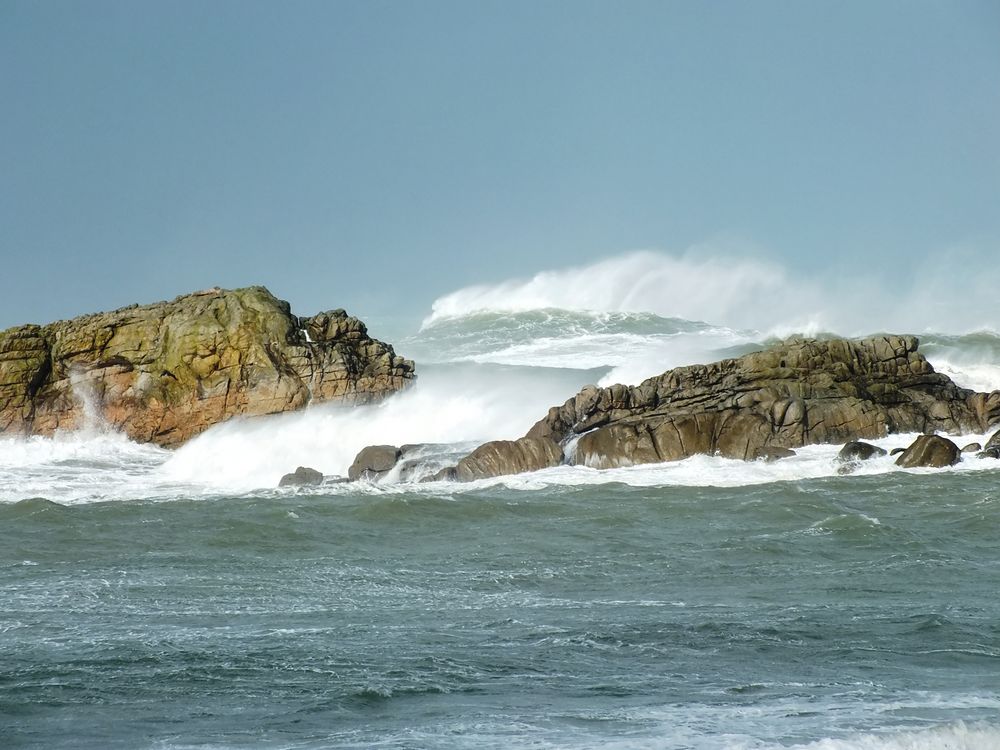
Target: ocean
[163,600]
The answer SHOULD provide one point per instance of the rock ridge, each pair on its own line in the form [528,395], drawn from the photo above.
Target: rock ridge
[167,371]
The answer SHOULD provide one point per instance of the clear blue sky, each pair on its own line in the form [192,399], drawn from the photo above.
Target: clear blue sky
[375,155]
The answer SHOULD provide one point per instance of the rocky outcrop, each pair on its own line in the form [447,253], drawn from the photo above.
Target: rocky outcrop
[794,394]
[931,451]
[165,372]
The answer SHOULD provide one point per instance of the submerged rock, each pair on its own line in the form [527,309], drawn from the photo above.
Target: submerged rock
[302,476]
[770,455]
[165,372]
[859,451]
[930,451]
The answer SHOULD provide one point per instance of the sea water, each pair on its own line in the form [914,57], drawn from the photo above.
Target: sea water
[178,599]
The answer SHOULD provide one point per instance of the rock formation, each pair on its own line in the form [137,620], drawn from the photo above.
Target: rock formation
[167,371]
[930,450]
[797,393]
[500,457]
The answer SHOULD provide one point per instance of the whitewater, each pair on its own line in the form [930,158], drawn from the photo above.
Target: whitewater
[169,599]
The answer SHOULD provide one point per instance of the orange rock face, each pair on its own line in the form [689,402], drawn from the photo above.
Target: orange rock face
[165,372]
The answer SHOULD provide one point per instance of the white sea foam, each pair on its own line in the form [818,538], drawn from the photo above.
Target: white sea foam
[957,736]
[81,466]
[977,376]
[456,405]
[810,462]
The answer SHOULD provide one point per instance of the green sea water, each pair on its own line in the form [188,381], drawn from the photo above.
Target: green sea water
[854,612]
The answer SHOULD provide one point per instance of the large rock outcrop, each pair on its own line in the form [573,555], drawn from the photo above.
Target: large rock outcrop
[794,394]
[797,393]
[165,372]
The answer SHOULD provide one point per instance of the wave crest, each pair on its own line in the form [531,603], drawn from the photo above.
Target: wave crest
[734,290]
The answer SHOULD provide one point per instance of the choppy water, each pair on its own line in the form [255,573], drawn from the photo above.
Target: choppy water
[161,600]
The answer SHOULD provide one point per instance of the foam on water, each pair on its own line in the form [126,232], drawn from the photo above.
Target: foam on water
[957,736]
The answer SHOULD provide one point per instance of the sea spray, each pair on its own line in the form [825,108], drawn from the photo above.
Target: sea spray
[710,283]
[463,403]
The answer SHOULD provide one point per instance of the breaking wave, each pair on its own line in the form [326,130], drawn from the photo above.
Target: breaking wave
[743,293]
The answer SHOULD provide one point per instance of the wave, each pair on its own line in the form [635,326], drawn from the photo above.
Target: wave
[709,284]
[957,736]
[634,346]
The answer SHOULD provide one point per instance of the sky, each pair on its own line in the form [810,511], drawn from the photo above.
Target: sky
[378,155]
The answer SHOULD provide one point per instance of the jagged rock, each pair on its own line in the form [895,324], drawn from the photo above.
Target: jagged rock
[165,372]
[770,455]
[859,451]
[930,450]
[972,448]
[989,453]
[797,393]
[302,476]
[500,457]
[373,461]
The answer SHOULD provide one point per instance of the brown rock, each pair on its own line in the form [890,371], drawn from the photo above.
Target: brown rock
[930,450]
[302,476]
[165,372]
[373,462]
[501,457]
[797,393]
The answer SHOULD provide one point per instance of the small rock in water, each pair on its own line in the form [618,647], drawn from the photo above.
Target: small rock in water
[859,451]
[302,476]
[896,451]
[989,453]
[972,448]
[930,450]
[373,461]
